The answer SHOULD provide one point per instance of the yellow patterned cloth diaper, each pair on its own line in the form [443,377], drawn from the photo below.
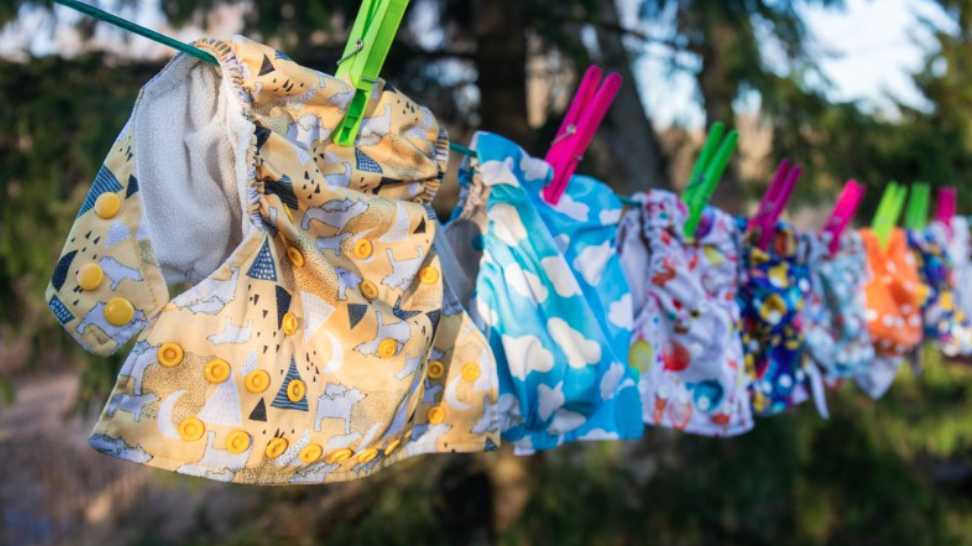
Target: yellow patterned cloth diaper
[318,340]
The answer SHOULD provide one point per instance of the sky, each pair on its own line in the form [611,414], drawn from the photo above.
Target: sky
[867,50]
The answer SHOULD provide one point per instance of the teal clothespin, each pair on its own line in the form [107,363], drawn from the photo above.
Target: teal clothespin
[371,37]
[706,174]
[916,215]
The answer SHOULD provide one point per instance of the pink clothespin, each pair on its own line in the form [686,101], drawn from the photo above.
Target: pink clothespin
[946,205]
[844,209]
[587,110]
[773,203]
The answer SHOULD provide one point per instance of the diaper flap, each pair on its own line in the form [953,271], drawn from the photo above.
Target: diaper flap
[106,283]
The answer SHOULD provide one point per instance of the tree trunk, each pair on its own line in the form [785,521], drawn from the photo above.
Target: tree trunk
[501,60]
[635,152]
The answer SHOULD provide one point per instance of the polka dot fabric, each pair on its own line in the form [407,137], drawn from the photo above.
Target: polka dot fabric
[943,321]
[774,288]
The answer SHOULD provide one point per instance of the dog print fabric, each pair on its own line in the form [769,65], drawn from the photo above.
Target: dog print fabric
[687,342]
[559,375]
[323,346]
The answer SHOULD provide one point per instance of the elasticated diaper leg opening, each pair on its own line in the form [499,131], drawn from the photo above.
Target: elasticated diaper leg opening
[190,140]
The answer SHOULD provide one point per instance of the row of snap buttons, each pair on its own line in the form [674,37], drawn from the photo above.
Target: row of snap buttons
[118,311]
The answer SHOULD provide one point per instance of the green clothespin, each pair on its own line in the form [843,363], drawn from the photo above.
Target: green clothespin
[368,44]
[916,216]
[706,174]
[888,211]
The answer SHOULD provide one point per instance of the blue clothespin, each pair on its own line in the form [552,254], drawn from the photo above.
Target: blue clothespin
[371,37]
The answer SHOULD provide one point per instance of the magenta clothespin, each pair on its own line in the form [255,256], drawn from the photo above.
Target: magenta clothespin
[773,203]
[946,206]
[844,209]
[587,110]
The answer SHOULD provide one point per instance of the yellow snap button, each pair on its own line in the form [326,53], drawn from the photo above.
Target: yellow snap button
[338,456]
[289,323]
[436,415]
[296,390]
[310,453]
[295,256]
[362,248]
[436,369]
[107,205]
[367,455]
[119,311]
[275,448]
[470,371]
[191,429]
[387,348]
[368,289]
[237,442]
[429,275]
[170,355]
[392,446]
[90,276]
[256,381]
[217,370]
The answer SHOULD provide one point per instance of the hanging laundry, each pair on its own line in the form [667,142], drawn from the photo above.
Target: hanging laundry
[559,375]
[959,248]
[687,341]
[943,322]
[835,328]
[894,296]
[774,288]
[317,343]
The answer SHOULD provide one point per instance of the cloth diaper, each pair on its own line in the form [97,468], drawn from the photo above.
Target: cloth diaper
[774,289]
[317,341]
[560,377]
[835,325]
[687,340]
[943,321]
[959,250]
[894,296]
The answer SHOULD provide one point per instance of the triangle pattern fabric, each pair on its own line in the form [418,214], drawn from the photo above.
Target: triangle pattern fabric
[421,227]
[283,304]
[365,163]
[259,412]
[262,134]
[316,311]
[61,269]
[262,267]
[132,186]
[223,406]
[400,313]
[284,189]
[282,401]
[266,67]
[356,312]
[104,182]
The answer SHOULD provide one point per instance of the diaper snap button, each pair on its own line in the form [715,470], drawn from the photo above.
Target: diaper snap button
[367,455]
[368,289]
[237,442]
[392,446]
[387,348]
[296,390]
[289,324]
[275,448]
[339,456]
[217,370]
[107,205]
[429,275]
[310,453]
[191,429]
[119,311]
[256,381]
[436,415]
[362,248]
[470,371]
[90,276]
[436,369]
[295,256]
[169,355]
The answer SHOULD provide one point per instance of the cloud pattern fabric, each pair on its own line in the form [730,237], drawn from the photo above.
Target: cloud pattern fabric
[560,378]
[687,341]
